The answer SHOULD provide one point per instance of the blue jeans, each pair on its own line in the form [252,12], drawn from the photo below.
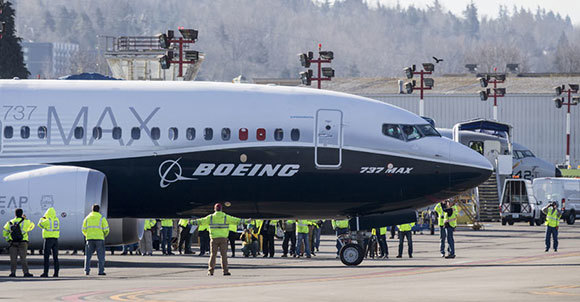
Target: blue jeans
[551,231]
[99,246]
[316,235]
[450,240]
[303,237]
[166,233]
[442,236]
[339,231]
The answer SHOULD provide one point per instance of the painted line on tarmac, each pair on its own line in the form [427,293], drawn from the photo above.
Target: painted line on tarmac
[140,295]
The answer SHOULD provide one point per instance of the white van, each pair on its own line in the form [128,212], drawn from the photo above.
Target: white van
[565,191]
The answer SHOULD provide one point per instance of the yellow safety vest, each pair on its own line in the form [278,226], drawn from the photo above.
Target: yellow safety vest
[341,224]
[149,224]
[49,224]
[95,227]
[183,222]
[383,231]
[406,227]
[440,218]
[233,228]
[25,227]
[302,226]
[202,227]
[552,218]
[452,220]
[219,224]
[166,223]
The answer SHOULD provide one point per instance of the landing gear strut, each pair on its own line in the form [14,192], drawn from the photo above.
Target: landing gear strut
[352,253]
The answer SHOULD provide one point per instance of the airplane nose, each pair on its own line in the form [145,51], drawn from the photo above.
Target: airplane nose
[471,168]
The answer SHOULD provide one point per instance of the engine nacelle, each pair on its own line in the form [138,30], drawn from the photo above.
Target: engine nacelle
[70,190]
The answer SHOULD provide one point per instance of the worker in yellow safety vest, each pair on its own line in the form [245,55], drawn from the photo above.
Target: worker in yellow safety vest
[382,239]
[450,219]
[439,209]
[405,231]
[340,227]
[184,236]
[553,216]
[146,242]
[203,233]
[166,234]
[95,229]
[16,234]
[50,225]
[232,237]
[302,237]
[219,228]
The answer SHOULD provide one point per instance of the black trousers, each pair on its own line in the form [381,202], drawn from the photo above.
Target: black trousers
[409,236]
[203,242]
[289,237]
[383,244]
[268,245]
[51,247]
[185,239]
[232,237]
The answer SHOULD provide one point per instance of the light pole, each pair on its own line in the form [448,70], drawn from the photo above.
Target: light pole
[497,92]
[188,36]
[324,73]
[572,101]
[424,84]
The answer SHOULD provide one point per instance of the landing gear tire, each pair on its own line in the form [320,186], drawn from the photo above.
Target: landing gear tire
[351,254]
[503,221]
[571,217]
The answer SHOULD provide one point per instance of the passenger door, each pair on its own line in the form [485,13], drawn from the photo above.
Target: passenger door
[328,141]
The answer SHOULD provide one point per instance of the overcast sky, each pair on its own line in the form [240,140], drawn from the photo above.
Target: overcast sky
[490,7]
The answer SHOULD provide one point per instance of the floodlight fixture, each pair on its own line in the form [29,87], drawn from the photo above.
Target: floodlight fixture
[328,72]
[164,61]
[409,72]
[429,82]
[574,87]
[170,54]
[306,77]
[484,94]
[409,87]
[189,34]
[304,60]
[429,67]
[499,77]
[192,55]
[326,55]
[164,41]
[471,67]
[575,100]
[558,102]
[499,91]
[559,89]
[483,82]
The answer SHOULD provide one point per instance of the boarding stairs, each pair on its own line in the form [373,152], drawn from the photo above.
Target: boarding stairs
[489,200]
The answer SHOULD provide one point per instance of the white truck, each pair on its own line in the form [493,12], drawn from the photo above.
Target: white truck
[523,200]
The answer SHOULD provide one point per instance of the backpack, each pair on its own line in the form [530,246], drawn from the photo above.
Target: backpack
[16,232]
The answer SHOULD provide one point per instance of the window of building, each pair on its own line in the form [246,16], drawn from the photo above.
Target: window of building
[42,132]
[97,133]
[117,133]
[226,134]
[79,132]
[208,134]
[261,134]
[8,132]
[393,131]
[25,132]
[295,134]
[135,133]
[155,133]
[173,133]
[411,132]
[190,134]
[243,135]
[278,134]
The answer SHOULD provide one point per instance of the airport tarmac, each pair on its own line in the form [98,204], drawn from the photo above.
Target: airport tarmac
[500,263]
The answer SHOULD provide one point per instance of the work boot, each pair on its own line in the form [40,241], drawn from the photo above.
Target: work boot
[102,274]
[210,273]
[308,256]
[55,275]
[450,257]
[399,256]
[546,250]
[12,275]
[44,275]
[555,250]
[227,274]
[284,256]
[28,275]
[410,256]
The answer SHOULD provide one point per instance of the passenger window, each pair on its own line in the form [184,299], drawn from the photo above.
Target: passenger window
[25,132]
[261,134]
[208,134]
[243,134]
[411,133]
[79,132]
[42,131]
[226,134]
[155,133]
[173,134]
[190,134]
[135,133]
[8,132]
[295,134]
[97,133]
[393,131]
[117,133]
[278,134]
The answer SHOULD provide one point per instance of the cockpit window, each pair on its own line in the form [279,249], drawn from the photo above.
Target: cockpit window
[428,130]
[411,133]
[519,154]
[528,153]
[393,131]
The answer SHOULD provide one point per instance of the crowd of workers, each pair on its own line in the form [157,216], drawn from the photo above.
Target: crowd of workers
[301,238]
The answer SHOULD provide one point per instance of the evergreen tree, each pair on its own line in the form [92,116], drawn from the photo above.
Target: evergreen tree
[11,57]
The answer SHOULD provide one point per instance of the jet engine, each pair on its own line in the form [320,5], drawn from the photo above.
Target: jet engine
[72,191]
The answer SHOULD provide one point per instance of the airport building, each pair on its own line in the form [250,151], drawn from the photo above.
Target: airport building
[49,60]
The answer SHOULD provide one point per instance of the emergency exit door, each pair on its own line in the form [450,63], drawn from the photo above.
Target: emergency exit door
[328,143]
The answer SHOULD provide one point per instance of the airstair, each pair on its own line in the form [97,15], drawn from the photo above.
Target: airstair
[489,200]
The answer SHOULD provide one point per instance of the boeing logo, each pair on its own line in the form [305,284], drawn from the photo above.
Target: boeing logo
[170,171]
